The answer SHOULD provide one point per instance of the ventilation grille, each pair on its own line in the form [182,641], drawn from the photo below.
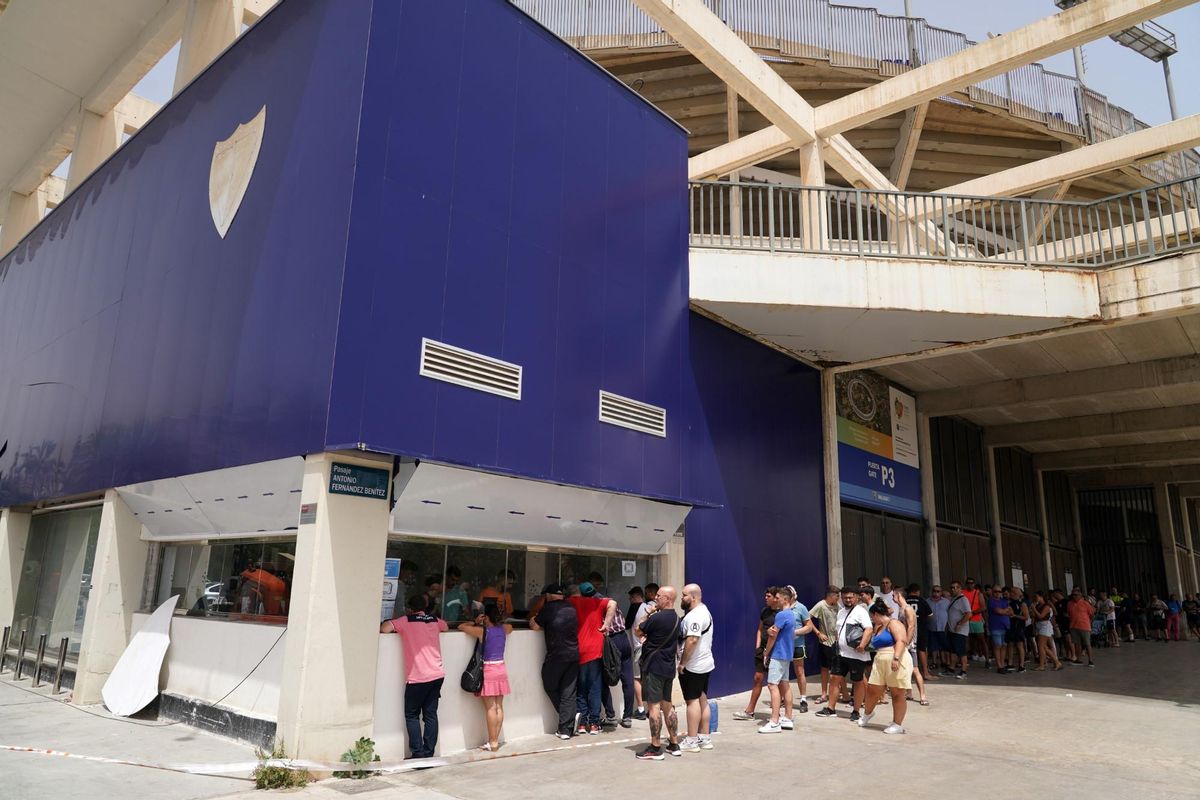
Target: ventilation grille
[618,410]
[444,362]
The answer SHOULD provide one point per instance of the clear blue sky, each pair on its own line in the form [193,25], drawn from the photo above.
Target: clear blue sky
[1127,78]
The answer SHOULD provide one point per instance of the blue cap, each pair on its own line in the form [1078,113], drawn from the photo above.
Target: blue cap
[586,589]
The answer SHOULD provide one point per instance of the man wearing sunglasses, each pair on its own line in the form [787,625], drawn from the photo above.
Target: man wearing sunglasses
[978,637]
[939,646]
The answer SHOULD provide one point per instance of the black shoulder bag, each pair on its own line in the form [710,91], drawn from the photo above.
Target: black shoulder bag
[472,677]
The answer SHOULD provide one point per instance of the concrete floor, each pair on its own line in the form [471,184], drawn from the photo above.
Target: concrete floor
[1129,727]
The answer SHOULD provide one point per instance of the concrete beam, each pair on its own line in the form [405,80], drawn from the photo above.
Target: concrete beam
[1095,426]
[1180,371]
[1134,476]
[1057,33]
[99,137]
[155,40]
[25,211]
[906,144]
[1122,456]
[254,10]
[1152,142]
[210,27]
[55,189]
[134,111]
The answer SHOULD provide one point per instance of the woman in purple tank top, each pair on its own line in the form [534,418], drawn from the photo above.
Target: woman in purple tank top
[488,628]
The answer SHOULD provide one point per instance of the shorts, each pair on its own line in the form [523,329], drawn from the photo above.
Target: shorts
[1110,624]
[958,644]
[1082,639]
[656,688]
[938,642]
[799,652]
[882,674]
[922,642]
[828,656]
[853,668]
[777,670]
[1016,635]
[1158,623]
[999,638]
[976,628]
[693,684]
[759,666]
[636,648]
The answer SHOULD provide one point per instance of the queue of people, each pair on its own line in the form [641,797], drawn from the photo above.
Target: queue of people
[875,648]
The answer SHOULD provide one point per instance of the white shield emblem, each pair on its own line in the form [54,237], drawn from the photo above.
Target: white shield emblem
[233,163]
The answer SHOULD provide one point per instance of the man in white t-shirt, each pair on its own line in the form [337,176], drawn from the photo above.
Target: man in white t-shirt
[695,666]
[853,623]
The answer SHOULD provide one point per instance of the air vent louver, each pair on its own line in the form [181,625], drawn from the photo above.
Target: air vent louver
[618,410]
[445,362]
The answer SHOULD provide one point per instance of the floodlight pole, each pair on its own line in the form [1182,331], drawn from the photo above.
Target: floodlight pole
[1166,62]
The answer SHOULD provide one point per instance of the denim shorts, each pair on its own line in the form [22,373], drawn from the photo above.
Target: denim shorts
[777,670]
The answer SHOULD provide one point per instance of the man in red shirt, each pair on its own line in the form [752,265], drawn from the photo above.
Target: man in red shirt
[595,615]
[1080,612]
[979,643]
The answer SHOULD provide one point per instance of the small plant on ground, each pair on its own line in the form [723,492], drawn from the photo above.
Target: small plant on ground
[271,777]
[363,752]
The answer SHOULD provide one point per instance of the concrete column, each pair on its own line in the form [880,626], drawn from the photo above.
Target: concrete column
[1189,538]
[327,696]
[25,211]
[733,129]
[814,211]
[14,535]
[117,579]
[833,486]
[1075,521]
[1166,536]
[210,27]
[674,563]
[928,498]
[1044,524]
[1001,568]
[98,137]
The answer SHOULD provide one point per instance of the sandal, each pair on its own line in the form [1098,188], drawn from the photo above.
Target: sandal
[923,702]
[487,747]
[822,700]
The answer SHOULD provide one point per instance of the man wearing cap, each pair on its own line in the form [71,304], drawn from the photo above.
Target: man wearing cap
[595,615]
[560,670]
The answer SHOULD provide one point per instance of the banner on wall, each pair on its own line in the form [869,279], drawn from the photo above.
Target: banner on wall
[878,462]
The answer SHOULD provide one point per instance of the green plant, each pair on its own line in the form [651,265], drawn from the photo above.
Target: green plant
[272,777]
[363,752]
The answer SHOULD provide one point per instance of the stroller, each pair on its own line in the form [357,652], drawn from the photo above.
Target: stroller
[1099,639]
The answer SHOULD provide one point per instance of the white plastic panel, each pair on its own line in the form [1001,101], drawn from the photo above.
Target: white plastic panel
[454,503]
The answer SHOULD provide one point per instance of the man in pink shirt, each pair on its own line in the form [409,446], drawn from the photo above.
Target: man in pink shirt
[423,672]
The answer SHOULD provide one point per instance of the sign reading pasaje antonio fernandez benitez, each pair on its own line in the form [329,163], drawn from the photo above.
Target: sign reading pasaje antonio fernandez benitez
[358,481]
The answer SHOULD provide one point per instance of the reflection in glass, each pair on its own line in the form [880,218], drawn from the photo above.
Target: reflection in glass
[245,579]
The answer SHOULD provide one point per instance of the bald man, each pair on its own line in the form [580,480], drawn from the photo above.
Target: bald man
[659,634]
[695,665]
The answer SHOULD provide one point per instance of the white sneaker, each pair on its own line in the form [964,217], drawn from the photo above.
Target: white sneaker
[690,745]
[770,727]
[706,743]
[865,718]
[894,728]
[786,723]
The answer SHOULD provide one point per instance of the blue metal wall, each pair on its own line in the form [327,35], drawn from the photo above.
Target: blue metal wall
[135,343]
[755,448]
[512,199]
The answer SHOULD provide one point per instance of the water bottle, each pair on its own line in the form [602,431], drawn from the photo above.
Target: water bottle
[712,711]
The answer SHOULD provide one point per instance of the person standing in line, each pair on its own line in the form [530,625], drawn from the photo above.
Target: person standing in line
[1157,611]
[560,669]
[939,647]
[887,593]
[824,617]
[1081,612]
[619,635]
[1043,622]
[493,633]
[595,615]
[766,618]
[1191,610]
[659,634]
[892,668]
[999,621]
[1062,621]
[853,637]
[423,673]
[978,637]
[804,626]
[958,628]
[778,657]
[1174,607]
[458,598]
[1016,629]
[696,664]
[1107,610]
[911,620]
[643,611]
[1141,622]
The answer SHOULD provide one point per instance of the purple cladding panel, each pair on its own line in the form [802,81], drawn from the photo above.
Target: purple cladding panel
[514,200]
[755,449]
[135,342]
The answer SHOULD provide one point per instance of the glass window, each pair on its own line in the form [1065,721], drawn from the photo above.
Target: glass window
[422,570]
[56,577]
[243,579]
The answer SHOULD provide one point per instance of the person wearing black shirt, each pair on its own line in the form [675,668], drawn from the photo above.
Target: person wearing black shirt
[924,615]
[659,633]
[560,670]
[766,618]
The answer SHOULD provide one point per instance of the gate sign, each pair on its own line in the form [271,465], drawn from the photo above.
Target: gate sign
[877,444]
[359,481]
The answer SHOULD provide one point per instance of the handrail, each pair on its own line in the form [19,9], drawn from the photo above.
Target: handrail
[829,220]
[850,36]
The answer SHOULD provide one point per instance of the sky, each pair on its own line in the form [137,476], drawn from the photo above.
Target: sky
[1128,79]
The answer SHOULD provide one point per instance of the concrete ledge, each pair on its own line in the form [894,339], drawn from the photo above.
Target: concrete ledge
[1167,285]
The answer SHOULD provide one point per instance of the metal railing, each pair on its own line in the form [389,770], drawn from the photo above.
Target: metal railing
[1137,225]
[849,36]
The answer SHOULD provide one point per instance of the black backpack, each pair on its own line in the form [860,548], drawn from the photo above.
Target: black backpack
[611,663]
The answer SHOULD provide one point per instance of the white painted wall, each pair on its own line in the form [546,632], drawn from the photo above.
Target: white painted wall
[527,711]
[207,658]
